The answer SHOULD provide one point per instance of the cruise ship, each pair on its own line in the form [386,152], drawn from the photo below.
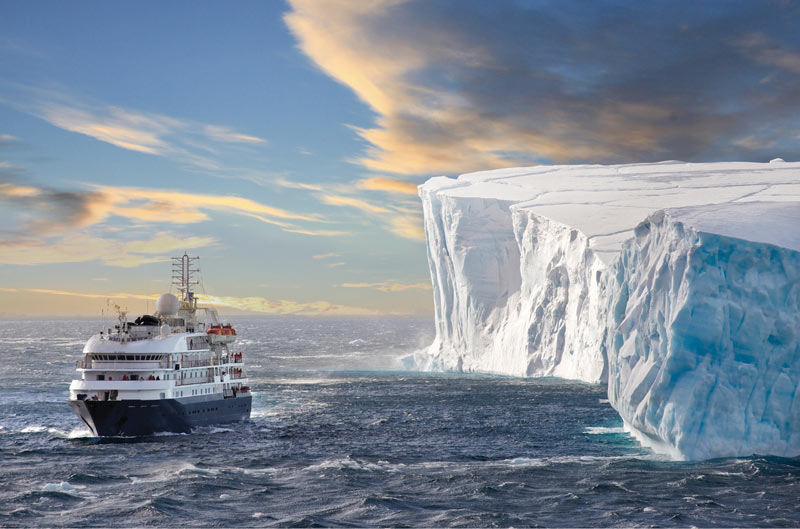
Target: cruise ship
[170,371]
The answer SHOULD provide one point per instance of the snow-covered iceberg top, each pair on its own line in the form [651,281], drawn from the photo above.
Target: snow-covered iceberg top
[535,270]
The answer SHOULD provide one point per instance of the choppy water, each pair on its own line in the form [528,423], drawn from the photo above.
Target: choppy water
[341,436]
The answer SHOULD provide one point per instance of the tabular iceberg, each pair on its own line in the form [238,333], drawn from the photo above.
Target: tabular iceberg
[677,284]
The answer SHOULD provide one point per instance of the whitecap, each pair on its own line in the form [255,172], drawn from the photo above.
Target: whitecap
[64,486]
[602,430]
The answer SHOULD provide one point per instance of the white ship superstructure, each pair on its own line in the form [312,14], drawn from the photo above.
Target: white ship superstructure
[169,371]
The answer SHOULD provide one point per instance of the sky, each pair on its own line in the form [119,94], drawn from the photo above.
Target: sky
[282,142]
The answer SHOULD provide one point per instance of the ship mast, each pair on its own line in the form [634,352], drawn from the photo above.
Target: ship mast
[182,270]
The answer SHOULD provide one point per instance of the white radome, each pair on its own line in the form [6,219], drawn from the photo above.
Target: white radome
[165,330]
[167,305]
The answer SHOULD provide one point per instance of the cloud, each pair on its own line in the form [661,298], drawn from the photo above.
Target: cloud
[770,53]
[201,146]
[46,212]
[224,134]
[318,233]
[80,247]
[463,85]
[326,255]
[408,226]
[389,286]
[8,139]
[363,205]
[250,304]
[297,185]
[390,185]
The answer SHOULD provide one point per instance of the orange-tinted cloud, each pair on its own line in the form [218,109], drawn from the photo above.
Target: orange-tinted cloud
[249,304]
[390,185]
[49,212]
[470,85]
[363,205]
[156,134]
[389,286]
[80,247]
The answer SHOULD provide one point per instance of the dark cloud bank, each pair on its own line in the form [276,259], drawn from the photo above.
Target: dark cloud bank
[516,82]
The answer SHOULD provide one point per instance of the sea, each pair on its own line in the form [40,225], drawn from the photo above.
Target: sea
[344,434]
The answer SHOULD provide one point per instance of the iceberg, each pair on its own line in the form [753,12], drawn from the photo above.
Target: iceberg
[676,284]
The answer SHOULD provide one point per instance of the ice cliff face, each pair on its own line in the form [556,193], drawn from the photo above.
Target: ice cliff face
[705,357]
[551,271]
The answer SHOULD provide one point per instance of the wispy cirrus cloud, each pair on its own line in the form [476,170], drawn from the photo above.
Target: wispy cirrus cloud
[296,185]
[151,133]
[389,185]
[389,286]
[8,139]
[462,85]
[45,211]
[770,52]
[225,134]
[202,146]
[249,304]
[353,202]
[112,251]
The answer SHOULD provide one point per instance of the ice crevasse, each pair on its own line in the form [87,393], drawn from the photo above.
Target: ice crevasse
[676,284]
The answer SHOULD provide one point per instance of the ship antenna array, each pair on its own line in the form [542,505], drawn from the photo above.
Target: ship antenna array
[182,269]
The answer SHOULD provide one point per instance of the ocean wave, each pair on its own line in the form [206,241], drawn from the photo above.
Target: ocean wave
[75,433]
[602,430]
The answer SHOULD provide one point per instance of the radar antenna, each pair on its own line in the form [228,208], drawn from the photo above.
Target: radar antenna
[182,270]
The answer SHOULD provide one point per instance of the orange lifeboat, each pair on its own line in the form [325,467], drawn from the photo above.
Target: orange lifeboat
[215,329]
[228,329]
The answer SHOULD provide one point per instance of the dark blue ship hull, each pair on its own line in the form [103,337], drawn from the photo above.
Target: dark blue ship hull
[146,417]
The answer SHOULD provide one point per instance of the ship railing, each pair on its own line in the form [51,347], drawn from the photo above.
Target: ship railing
[193,381]
[121,366]
[200,363]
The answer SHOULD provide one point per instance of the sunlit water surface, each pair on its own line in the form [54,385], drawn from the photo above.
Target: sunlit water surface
[342,435]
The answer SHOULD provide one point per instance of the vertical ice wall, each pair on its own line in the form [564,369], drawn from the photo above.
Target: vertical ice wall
[692,317]
[514,292]
[704,357]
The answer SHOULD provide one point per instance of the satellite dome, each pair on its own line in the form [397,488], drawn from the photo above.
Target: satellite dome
[165,330]
[167,305]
